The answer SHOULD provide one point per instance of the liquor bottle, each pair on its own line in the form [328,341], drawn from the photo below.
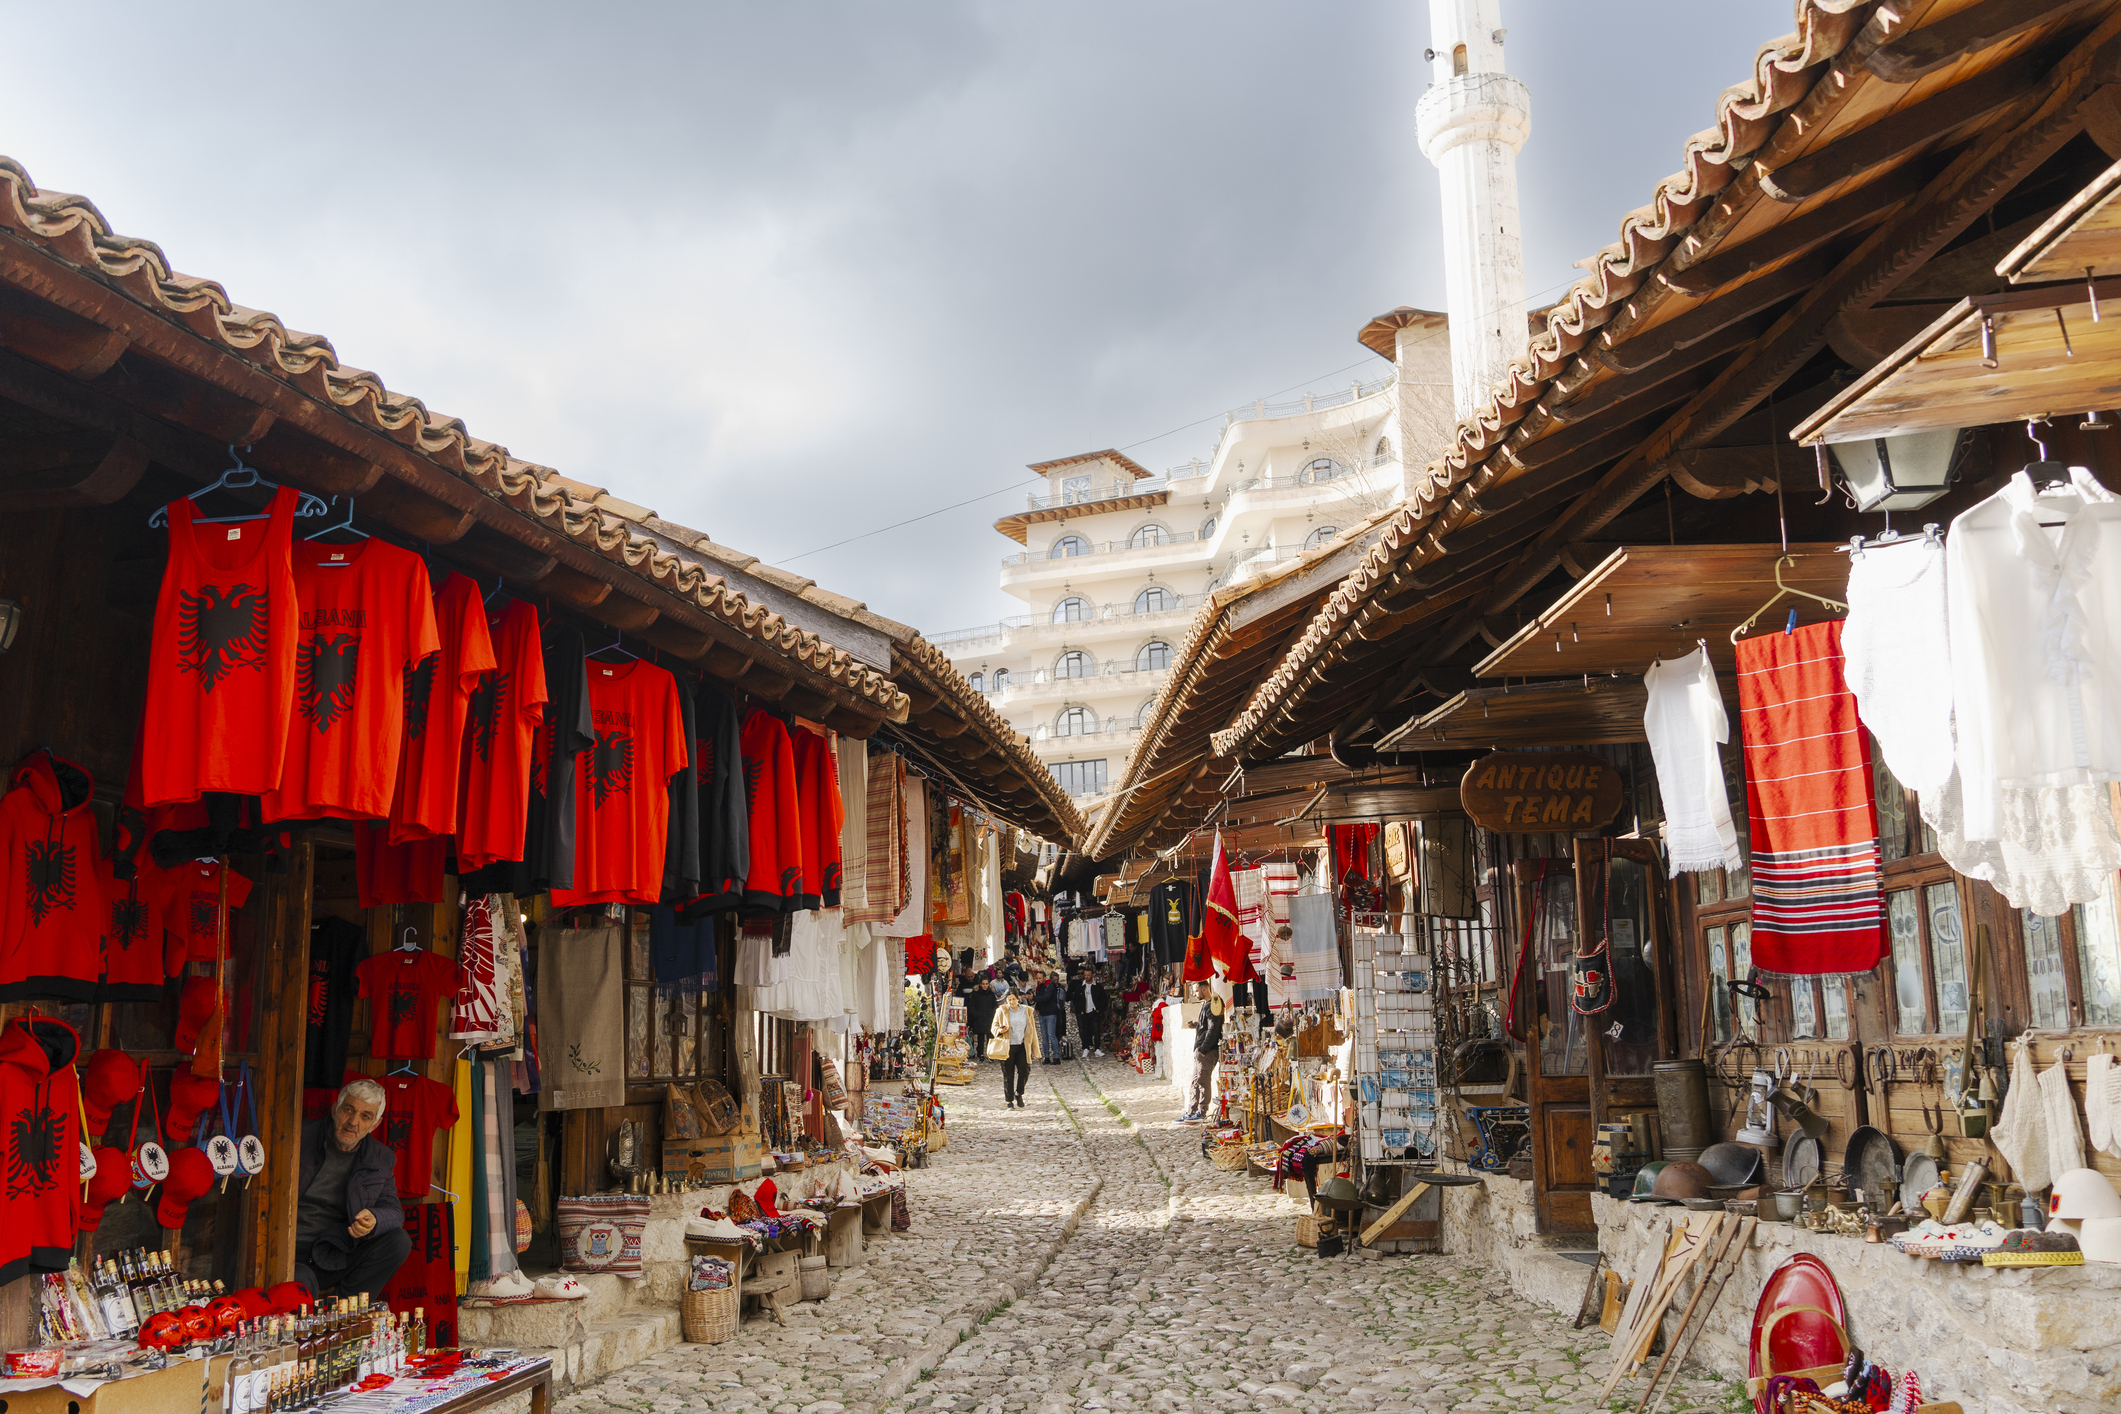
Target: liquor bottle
[232,1378]
[284,1353]
[111,1305]
[135,1287]
[416,1332]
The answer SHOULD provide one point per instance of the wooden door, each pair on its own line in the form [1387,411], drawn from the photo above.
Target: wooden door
[1587,1070]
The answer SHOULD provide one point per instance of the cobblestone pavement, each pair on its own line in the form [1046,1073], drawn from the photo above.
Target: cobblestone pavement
[1080,1254]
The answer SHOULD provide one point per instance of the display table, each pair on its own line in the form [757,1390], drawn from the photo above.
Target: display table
[467,1390]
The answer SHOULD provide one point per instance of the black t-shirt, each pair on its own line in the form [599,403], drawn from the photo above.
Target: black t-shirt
[572,733]
[335,946]
[1174,916]
[681,853]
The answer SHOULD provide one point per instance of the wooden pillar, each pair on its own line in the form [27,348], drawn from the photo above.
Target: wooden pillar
[843,1238]
[283,981]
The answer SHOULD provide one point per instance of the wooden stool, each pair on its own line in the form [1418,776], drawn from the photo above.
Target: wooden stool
[843,1237]
[770,1291]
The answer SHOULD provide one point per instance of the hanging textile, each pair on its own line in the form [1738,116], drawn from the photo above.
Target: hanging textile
[1250,886]
[493,1250]
[1312,972]
[854,829]
[809,986]
[909,921]
[428,1278]
[817,788]
[1817,909]
[476,1015]
[682,869]
[1686,723]
[500,736]
[582,1019]
[883,866]
[1898,647]
[437,698]
[1228,951]
[622,803]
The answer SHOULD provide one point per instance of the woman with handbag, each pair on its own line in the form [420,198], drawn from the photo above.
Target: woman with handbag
[1015,1045]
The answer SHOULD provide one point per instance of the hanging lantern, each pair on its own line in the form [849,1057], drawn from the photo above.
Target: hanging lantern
[1900,473]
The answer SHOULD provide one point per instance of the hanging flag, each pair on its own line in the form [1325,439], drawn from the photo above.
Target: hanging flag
[1228,951]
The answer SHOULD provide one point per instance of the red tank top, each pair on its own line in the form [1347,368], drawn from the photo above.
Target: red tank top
[221,671]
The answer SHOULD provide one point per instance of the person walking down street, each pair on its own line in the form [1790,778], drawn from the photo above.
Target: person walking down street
[1085,1000]
[1046,1001]
[1207,1052]
[979,1000]
[1013,1021]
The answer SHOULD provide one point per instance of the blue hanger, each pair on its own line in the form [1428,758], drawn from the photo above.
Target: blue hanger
[498,584]
[618,639]
[344,523]
[236,478]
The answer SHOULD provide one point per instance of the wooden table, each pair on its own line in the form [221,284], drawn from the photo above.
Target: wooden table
[535,1377]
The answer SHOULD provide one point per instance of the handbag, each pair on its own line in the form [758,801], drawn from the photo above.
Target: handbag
[998,1043]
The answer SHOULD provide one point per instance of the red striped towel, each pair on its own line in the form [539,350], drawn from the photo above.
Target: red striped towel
[1817,909]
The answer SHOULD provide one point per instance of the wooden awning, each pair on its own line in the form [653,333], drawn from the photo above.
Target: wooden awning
[2028,353]
[1598,711]
[2084,236]
[1645,602]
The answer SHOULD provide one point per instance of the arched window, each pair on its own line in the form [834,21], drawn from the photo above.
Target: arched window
[1319,469]
[978,682]
[1383,453]
[1320,536]
[1458,61]
[1072,610]
[1147,536]
[1075,721]
[1073,664]
[1153,657]
[1207,528]
[1155,600]
[1141,713]
[1001,679]
[1067,546]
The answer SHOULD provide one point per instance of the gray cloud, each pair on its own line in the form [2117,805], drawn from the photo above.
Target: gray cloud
[792,272]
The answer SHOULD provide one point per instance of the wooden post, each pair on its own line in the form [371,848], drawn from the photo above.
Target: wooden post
[843,1238]
[283,978]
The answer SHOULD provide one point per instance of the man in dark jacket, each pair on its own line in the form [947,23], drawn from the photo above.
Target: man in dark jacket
[349,1227]
[1207,1054]
[1046,1002]
[980,998]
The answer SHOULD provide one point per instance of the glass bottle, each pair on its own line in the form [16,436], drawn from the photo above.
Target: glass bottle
[235,1382]
[416,1332]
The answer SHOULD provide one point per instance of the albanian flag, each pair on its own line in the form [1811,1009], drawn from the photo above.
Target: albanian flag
[1228,951]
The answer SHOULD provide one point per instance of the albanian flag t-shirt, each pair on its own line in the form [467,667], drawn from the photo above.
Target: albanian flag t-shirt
[436,697]
[366,620]
[133,965]
[402,988]
[499,729]
[187,900]
[622,787]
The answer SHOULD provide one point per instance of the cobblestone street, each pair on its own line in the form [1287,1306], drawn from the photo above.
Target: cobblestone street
[1081,1254]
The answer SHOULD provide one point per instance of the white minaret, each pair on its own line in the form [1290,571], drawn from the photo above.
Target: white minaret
[1472,120]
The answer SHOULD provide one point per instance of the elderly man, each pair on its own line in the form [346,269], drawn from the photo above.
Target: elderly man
[349,1229]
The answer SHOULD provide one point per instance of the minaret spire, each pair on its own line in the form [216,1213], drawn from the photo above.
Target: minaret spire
[1473,119]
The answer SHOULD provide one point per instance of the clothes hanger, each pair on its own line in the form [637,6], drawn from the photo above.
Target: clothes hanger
[404,1068]
[410,941]
[499,584]
[344,523]
[617,645]
[1783,590]
[236,478]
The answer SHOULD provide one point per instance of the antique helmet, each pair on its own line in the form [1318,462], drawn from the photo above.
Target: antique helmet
[1680,1180]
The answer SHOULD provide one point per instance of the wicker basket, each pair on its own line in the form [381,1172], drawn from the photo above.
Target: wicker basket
[710,1317]
[1307,1230]
[1230,1158]
[817,1282]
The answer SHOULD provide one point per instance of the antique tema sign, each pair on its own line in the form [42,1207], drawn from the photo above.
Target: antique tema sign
[1529,792]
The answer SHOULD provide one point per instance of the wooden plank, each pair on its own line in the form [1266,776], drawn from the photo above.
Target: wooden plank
[1391,1214]
[2084,233]
[1687,1245]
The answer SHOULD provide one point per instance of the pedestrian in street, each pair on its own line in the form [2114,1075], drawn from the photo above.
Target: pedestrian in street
[1046,1001]
[1207,1053]
[1013,1018]
[979,999]
[1085,999]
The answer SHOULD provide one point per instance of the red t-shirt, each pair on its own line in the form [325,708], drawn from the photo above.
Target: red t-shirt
[817,793]
[414,1107]
[775,883]
[386,873]
[221,671]
[186,901]
[134,968]
[402,989]
[502,723]
[622,786]
[367,618]
[436,696]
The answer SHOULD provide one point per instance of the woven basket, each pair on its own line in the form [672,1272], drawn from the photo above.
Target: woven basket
[1230,1158]
[710,1316]
[1307,1230]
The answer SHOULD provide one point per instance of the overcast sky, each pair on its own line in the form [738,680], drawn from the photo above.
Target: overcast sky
[793,272]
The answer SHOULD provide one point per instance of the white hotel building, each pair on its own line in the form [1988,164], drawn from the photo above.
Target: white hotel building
[1115,559]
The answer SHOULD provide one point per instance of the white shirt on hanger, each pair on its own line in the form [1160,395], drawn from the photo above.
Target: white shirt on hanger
[1685,722]
[1897,649]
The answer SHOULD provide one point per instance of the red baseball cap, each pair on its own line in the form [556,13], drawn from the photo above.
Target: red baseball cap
[190,1175]
[113,1180]
[110,1079]
[189,1096]
[194,1009]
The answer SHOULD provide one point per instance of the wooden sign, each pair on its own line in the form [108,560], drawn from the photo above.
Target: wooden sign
[1529,792]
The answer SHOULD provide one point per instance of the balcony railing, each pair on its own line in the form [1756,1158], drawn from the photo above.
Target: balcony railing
[1108,677]
[1110,731]
[1106,547]
[954,641]
[1309,402]
[1113,490]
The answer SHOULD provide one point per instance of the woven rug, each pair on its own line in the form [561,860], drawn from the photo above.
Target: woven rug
[1817,909]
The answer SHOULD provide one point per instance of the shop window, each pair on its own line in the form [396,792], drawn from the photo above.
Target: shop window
[1834,992]
[1153,658]
[2073,965]
[1080,777]
[1901,832]
[2047,986]
[1928,959]
[1001,679]
[977,682]
[2099,958]
[1320,536]
[1804,1012]
[1730,949]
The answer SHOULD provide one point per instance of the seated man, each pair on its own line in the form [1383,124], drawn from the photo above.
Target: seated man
[349,1227]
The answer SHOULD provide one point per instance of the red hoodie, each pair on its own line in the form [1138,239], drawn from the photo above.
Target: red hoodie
[52,917]
[40,1166]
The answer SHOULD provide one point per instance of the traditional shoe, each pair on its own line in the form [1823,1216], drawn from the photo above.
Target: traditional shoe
[560,1285]
[509,1286]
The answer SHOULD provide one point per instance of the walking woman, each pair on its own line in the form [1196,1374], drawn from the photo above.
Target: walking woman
[1047,1002]
[1014,1020]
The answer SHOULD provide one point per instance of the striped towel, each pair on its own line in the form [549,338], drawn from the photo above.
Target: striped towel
[1817,909]
[1311,971]
[884,867]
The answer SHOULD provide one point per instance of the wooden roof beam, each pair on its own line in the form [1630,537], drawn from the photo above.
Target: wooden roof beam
[1909,130]
[1639,351]
[175,396]
[90,471]
[55,337]
[1866,206]
[1942,43]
